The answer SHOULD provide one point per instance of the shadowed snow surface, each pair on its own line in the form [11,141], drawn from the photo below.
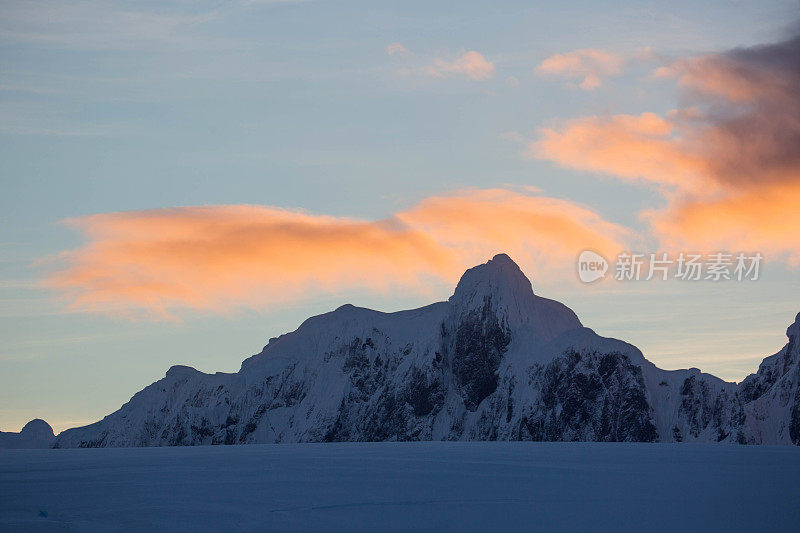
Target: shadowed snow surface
[490,486]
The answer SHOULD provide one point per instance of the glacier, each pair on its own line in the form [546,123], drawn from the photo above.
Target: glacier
[494,362]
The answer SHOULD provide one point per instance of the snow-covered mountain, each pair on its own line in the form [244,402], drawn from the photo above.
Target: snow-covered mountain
[36,434]
[495,361]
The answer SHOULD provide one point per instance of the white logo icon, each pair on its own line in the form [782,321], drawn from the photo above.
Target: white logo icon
[591,266]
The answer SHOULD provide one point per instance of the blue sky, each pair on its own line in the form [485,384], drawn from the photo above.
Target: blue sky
[110,107]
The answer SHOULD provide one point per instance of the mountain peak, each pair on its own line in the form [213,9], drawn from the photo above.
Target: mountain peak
[499,274]
[37,429]
[36,434]
[502,258]
[794,327]
[502,283]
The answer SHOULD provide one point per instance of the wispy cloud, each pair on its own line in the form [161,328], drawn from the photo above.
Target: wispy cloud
[396,48]
[467,64]
[26,118]
[472,65]
[589,65]
[98,25]
[219,258]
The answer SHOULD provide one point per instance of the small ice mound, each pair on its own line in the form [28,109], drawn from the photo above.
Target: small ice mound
[37,429]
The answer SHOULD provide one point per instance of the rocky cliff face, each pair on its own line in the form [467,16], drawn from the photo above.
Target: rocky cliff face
[493,362]
[771,397]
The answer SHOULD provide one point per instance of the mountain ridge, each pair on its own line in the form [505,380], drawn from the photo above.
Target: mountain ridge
[493,362]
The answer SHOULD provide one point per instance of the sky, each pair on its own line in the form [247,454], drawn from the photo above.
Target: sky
[182,181]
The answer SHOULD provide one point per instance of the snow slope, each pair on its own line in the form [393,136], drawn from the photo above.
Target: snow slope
[468,486]
[494,362]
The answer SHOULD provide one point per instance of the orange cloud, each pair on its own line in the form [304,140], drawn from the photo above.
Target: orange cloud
[628,146]
[589,64]
[764,220]
[542,234]
[728,161]
[471,64]
[217,258]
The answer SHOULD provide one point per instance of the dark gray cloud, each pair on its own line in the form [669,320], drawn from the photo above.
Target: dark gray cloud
[746,112]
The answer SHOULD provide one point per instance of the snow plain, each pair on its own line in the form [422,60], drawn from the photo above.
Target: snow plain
[488,486]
